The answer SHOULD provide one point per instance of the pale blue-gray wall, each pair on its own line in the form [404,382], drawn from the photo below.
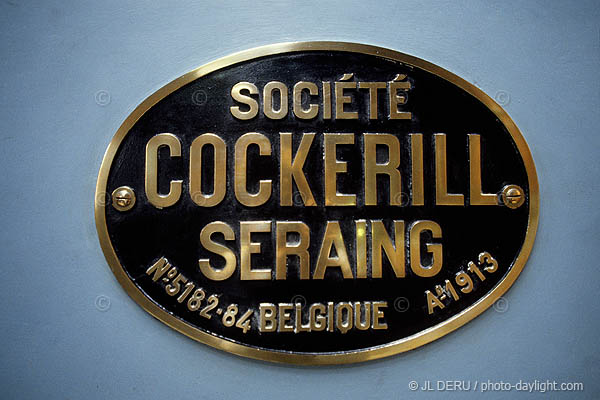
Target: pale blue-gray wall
[541,58]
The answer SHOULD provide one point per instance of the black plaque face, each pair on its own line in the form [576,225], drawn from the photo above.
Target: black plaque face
[317,203]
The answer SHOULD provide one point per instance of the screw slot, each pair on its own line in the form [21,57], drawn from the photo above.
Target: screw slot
[123,198]
[513,196]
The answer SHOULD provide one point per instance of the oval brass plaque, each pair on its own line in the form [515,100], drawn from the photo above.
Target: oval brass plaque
[317,203]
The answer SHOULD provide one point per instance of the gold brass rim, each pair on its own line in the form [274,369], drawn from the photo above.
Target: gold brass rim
[392,348]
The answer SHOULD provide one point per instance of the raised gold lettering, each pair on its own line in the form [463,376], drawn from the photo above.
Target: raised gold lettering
[291,170]
[389,168]
[268,108]
[285,316]
[248,247]
[313,109]
[361,249]
[217,274]
[373,88]
[477,197]
[378,315]
[434,248]
[285,249]
[236,94]
[341,99]
[151,181]
[219,170]
[267,317]
[333,167]
[326,100]
[343,324]
[397,99]
[416,156]
[381,242]
[358,318]
[241,153]
[333,238]
[317,318]
[442,197]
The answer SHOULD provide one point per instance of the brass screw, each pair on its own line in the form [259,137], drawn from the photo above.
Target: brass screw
[123,198]
[513,196]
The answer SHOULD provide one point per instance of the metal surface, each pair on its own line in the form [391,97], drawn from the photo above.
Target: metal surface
[71,73]
[154,249]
